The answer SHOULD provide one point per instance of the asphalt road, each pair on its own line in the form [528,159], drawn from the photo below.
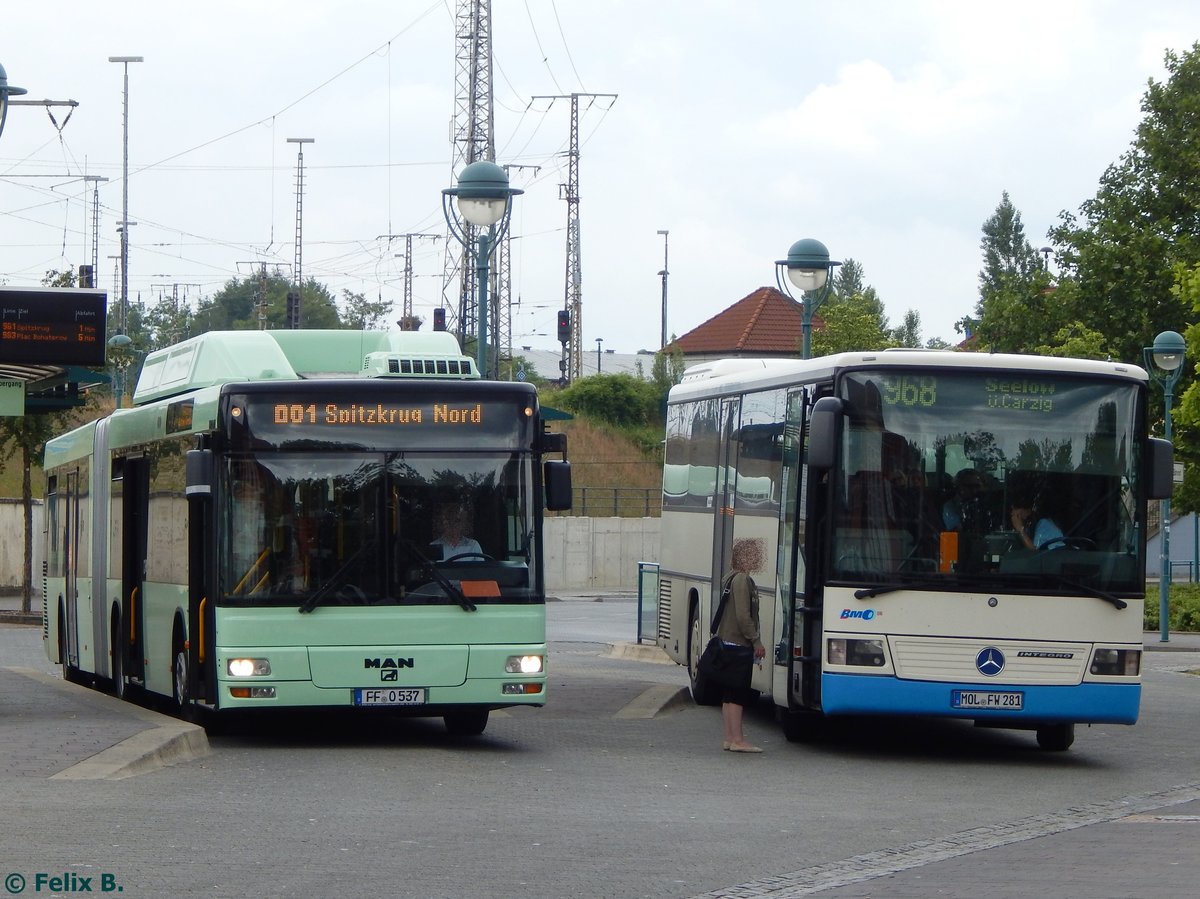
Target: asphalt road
[588,798]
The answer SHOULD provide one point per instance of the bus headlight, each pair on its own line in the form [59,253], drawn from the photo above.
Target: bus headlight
[1117,662]
[248,667]
[866,653]
[524,665]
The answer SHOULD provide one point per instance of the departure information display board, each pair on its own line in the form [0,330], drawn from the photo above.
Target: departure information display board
[52,326]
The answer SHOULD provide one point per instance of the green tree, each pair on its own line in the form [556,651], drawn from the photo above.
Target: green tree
[1018,304]
[166,322]
[1122,247]
[618,399]
[849,286]
[363,313]
[909,333]
[852,323]
[1007,254]
[849,280]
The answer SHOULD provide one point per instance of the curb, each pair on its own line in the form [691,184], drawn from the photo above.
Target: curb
[655,701]
[165,741]
[158,747]
[639,652]
[7,617]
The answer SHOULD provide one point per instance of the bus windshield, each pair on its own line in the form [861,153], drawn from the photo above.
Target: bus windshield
[1026,482]
[358,528]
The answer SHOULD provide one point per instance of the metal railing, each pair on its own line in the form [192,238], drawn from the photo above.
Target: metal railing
[615,502]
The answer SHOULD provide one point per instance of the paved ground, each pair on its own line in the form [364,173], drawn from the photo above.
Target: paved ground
[1136,846]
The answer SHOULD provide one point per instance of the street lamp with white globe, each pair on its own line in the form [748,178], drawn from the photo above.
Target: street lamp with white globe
[483,199]
[1164,362]
[810,270]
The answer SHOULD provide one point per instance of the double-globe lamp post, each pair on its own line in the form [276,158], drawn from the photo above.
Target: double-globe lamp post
[7,90]
[1164,362]
[484,199]
[810,270]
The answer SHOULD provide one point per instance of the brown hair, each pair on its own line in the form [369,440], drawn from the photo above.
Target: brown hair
[747,554]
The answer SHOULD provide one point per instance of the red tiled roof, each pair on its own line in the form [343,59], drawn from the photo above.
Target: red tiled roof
[766,322]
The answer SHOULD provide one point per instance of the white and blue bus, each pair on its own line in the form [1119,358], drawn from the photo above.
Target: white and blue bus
[261,529]
[897,495]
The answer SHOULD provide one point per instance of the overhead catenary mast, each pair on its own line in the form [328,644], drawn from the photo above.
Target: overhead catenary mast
[473,139]
[573,301]
[293,298]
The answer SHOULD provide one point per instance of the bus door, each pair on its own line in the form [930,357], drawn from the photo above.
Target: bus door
[725,484]
[134,473]
[68,497]
[202,677]
[797,670]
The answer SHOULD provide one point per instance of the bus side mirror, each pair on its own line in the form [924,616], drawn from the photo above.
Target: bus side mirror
[824,424]
[554,442]
[198,472]
[1160,475]
[557,478]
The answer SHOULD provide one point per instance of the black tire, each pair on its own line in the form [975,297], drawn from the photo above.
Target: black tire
[69,672]
[117,648]
[799,726]
[179,672]
[703,693]
[1056,737]
[468,723]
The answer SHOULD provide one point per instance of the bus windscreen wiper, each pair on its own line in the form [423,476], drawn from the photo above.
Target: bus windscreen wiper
[1087,590]
[442,581]
[321,592]
[927,584]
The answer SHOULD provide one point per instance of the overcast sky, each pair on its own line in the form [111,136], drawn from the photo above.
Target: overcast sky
[887,130]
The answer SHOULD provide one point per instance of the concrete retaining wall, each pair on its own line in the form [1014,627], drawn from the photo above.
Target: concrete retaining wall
[12,545]
[585,553]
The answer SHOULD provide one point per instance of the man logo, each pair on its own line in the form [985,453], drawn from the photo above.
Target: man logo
[389,674]
[990,661]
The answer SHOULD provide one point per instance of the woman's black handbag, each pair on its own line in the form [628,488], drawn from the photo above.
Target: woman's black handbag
[727,665]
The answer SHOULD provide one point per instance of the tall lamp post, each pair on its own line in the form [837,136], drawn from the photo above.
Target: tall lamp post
[125,223]
[7,90]
[599,342]
[810,270]
[664,274]
[484,199]
[1164,362]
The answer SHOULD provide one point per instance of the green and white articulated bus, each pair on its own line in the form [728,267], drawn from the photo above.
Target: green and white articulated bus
[896,496]
[259,530]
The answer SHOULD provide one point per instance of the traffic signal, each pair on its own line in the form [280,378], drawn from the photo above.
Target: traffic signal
[293,309]
[439,319]
[564,325]
[87,276]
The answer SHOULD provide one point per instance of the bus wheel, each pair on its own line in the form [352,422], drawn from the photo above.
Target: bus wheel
[69,672]
[1056,737]
[117,648]
[467,724]
[179,671]
[798,726]
[703,692]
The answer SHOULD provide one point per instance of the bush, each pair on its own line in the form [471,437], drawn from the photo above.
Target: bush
[1183,608]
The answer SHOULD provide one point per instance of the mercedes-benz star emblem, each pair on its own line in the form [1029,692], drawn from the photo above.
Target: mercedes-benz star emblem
[990,661]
